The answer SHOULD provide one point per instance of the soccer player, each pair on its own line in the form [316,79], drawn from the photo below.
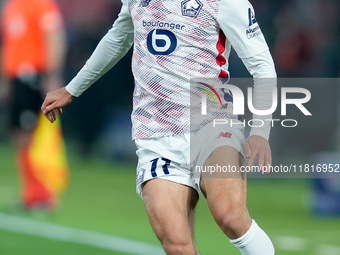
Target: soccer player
[33,46]
[174,41]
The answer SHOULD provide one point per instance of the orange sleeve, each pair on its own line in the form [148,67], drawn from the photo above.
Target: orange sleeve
[24,23]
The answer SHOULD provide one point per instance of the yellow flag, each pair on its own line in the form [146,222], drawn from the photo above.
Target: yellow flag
[48,155]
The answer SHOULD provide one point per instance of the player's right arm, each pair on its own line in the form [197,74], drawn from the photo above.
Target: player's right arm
[113,46]
[237,20]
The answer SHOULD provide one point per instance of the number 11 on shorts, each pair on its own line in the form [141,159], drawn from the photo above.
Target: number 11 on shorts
[164,167]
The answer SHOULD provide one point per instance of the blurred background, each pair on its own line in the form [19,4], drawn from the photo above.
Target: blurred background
[99,212]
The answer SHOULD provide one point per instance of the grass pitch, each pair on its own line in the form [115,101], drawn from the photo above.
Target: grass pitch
[101,197]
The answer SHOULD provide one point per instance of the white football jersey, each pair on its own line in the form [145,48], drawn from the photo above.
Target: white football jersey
[178,40]
[174,41]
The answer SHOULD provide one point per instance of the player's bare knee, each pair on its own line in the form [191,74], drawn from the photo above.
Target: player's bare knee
[231,219]
[178,242]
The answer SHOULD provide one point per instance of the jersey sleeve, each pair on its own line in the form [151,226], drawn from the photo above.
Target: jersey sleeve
[113,46]
[261,67]
[237,20]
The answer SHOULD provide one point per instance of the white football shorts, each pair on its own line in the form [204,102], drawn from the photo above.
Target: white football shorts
[173,158]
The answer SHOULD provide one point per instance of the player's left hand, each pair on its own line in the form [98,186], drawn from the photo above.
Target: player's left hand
[257,146]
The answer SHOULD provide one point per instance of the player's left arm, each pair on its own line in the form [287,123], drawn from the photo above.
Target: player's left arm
[238,22]
[261,67]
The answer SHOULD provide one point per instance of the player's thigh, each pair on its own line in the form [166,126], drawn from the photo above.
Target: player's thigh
[227,176]
[170,208]
[226,191]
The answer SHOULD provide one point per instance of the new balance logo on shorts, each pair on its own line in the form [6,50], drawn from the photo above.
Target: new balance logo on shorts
[226,135]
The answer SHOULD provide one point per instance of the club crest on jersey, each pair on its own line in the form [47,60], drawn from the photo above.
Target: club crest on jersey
[144,3]
[191,8]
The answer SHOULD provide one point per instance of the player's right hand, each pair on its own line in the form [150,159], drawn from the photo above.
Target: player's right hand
[54,102]
[257,146]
